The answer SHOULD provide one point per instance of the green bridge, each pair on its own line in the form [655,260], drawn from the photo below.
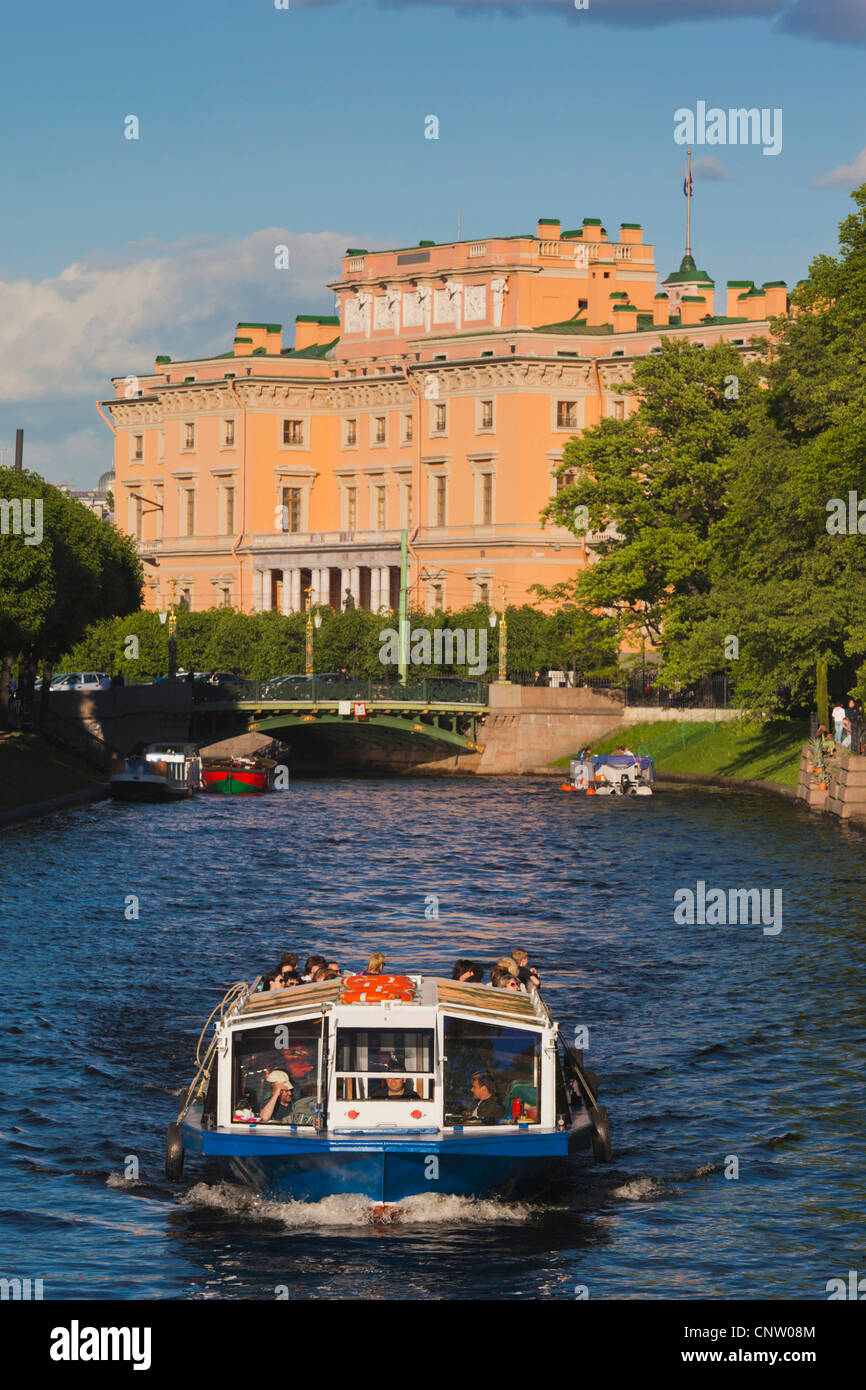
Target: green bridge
[444,714]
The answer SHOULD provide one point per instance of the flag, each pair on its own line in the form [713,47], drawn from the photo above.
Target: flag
[687,186]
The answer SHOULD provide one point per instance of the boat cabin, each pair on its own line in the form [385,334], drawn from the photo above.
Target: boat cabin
[409,1053]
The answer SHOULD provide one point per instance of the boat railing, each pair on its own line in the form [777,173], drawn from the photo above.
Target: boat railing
[233,999]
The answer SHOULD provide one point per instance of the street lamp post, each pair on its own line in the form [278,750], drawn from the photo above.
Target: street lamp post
[503,643]
[313,623]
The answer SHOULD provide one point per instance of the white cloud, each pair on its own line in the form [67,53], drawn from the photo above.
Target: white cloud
[706,166]
[846,175]
[65,336]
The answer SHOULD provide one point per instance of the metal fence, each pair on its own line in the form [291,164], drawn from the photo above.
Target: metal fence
[329,689]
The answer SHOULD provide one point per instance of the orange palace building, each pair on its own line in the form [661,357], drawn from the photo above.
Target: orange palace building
[438,400]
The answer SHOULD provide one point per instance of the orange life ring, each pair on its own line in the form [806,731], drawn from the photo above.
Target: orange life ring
[372,989]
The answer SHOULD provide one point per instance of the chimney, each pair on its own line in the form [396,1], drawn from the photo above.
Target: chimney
[548,229]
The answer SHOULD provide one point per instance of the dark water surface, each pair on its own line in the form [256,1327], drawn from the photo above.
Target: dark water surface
[710,1041]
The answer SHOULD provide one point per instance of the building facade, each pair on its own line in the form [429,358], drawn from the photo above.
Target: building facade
[437,400]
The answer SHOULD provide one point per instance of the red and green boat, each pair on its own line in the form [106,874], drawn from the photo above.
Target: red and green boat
[237,776]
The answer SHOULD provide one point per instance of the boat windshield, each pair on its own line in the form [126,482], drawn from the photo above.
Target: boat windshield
[492,1073]
[384,1064]
[290,1048]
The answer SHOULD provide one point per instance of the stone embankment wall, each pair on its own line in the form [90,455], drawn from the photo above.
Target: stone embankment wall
[529,726]
[845,795]
[118,719]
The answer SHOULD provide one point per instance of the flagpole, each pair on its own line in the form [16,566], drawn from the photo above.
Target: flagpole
[689,201]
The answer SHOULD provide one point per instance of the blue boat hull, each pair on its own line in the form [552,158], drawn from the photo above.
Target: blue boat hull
[305,1167]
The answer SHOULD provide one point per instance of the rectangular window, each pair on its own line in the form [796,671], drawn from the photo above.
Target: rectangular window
[351,432]
[492,1075]
[229,434]
[189,435]
[229,519]
[487,499]
[384,1064]
[138,446]
[439,419]
[564,480]
[380,429]
[441,500]
[158,495]
[226,597]
[381,508]
[190,511]
[291,509]
[139,513]
[293,431]
[255,1055]
[484,593]
[487,415]
[351,508]
[408,429]
[619,410]
[566,413]
[437,596]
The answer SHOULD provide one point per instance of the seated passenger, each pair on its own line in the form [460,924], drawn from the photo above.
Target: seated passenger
[325,973]
[273,980]
[399,1088]
[503,979]
[526,973]
[289,961]
[375,964]
[467,972]
[290,979]
[487,1110]
[313,964]
[277,1109]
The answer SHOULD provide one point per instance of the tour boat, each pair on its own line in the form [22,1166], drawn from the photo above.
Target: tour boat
[388,1087]
[163,772]
[621,773]
[238,776]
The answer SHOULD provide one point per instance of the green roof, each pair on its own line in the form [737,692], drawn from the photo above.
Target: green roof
[163,359]
[693,299]
[314,350]
[356,251]
[271,327]
[426,243]
[741,284]
[592,222]
[574,325]
[549,222]
[661,295]
[680,277]
[630,227]
[243,340]
[618,294]
[569,236]
[624,309]
[775,284]
[317,318]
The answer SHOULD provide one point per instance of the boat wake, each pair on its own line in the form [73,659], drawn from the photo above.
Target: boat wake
[353,1209]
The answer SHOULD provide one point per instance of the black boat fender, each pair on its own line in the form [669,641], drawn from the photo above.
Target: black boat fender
[174,1153]
[602,1150]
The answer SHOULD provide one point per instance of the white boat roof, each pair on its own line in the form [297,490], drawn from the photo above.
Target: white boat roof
[433,992]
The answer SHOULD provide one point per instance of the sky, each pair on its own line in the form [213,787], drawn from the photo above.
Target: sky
[302,122]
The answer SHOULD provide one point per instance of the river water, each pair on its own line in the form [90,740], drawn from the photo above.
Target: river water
[721,1049]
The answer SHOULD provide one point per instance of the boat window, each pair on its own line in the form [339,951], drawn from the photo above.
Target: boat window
[370,1062]
[492,1073]
[292,1048]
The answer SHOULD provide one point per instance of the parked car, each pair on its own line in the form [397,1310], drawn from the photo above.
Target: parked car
[82,680]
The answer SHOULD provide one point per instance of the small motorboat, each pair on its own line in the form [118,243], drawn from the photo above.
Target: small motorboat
[163,772]
[388,1087]
[620,773]
[238,776]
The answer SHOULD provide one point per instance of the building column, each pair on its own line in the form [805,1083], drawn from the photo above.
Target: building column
[385,587]
[314,587]
[286,607]
[257,591]
[345,583]
[296,590]
[375,574]
[355,584]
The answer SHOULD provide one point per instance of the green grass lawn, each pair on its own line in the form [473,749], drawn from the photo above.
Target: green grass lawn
[769,751]
[32,770]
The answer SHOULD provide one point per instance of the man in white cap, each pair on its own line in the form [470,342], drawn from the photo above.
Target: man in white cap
[278,1107]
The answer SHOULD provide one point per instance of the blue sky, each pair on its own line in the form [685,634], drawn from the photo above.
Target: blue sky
[306,126]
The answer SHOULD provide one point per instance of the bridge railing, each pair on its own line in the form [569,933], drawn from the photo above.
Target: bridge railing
[328,689]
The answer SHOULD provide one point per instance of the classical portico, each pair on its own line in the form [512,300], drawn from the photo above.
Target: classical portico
[318,576]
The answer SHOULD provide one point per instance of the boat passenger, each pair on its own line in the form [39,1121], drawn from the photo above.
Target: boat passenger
[487,1109]
[273,980]
[278,1107]
[399,1088]
[467,972]
[291,979]
[289,961]
[313,964]
[324,973]
[503,979]
[526,973]
[375,964]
